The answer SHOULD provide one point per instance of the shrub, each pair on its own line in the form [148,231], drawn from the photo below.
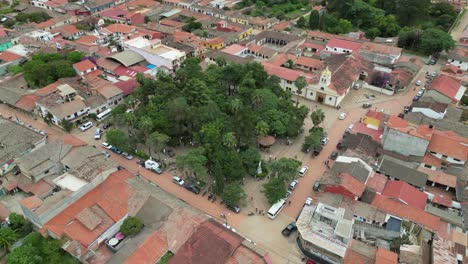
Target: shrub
[131,226]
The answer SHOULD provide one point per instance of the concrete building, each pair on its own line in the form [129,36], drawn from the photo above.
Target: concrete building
[15,141]
[379,53]
[324,233]
[446,89]
[449,147]
[156,53]
[74,171]
[459,58]
[63,103]
[432,109]
[406,139]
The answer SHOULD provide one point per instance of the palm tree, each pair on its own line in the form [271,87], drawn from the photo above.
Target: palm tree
[229,140]
[262,128]
[300,83]
[7,237]
[236,104]
[257,100]
[317,117]
[159,140]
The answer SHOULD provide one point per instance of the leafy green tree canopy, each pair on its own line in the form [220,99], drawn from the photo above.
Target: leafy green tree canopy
[131,226]
[233,194]
[275,190]
[284,168]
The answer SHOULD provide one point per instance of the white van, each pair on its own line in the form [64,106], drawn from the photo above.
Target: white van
[303,171]
[86,126]
[97,134]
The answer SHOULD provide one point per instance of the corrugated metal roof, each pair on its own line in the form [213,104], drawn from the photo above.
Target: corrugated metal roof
[128,58]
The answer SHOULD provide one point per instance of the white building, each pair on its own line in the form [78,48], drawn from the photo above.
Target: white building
[459,58]
[156,53]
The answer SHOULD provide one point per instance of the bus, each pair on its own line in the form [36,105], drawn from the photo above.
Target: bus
[276,208]
[103,115]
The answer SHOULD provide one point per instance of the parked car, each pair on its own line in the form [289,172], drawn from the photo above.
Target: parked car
[97,134]
[340,144]
[293,185]
[349,129]
[334,155]
[308,201]
[106,125]
[366,105]
[289,229]
[420,93]
[418,83]
[406,109]
[288,194]
[316,186]
[193,188]
[86,126]
[401,115]
[106,145]
[127,156]
[178,181]
[342,116]
[105,153]
[236,209]
[325,140]
[116,150]
[303,171]
[416,98]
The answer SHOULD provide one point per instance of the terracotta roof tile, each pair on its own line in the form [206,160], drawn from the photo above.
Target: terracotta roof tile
[87,39]
[362,128]
[282,58]
[442,200]
[415,215]
[309,62]
[234,49]
[406,194]
[383,256]
[377,182]
[214,41]
[9,56]
[84,65]
[46,90]
[439,177]
[45,24]
[4,212]
[344,44]
[311,46]
[376,115]
[348,72]
[447,86]
[352,184]
[450,144]
[421,131]
[109,201]
[149,251]
[432,160]
[171,23]
[121,28]
[380,48]
[31,202]
[88,218]
[287,74]
[27,102]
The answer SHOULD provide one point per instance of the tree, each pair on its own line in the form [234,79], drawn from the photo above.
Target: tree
[26,254]
[229,140]
[131,226]
[7,237]
[194,161]
[275,190]
[435,40]
[117,138]
[158,140]
[317,117]
[313,141]
[233,194]
[300,83]
[314,19]
[262,128]
[250,159]
[16,221]
[66,125]
[410,11]
[75,56]
[341,7]
[301,22]
[284,168]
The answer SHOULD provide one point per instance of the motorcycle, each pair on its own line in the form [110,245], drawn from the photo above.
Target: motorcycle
[204,193]
[251,213]
[214,199]
[210,196]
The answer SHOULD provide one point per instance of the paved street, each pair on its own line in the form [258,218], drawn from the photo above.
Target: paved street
[263,231]
[462,25]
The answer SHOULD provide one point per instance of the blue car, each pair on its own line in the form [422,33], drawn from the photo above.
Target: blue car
[116,150]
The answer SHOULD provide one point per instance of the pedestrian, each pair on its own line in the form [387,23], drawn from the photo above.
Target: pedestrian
[256,209]
[289,202]
[251,198]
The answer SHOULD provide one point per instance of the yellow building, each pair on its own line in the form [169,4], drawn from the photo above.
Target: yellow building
[373,118]
[215,43]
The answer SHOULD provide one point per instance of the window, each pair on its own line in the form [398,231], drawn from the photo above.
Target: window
[321,88]
[427,166]
[329,98]
[444,156]
[456,159]
[298,91]
[289,82]
[311,93]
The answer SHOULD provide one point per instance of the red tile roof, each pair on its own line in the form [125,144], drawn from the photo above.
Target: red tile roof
[73,141]
[127,87]
[450,144]
[312,46]
[415,215]
[254,47]
[377,182]
[46,90]
[121,28]
[9,56]
[210,244]
[344,44]
[87,39]
[362,128]
[69,29]
[287,74]
[349,72]
[446,85]
[352,184]
[383,256]
[421,131]
[234,49]
[439,177]
[282,58]
[214,41]
[31,202]
[432,160]
[309,62]
[45,24]
[108,202]
[442,200]
[406,194]
[27,102]
[282,25]
[149,251]
[84,65]
[376,115]
[171,23]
